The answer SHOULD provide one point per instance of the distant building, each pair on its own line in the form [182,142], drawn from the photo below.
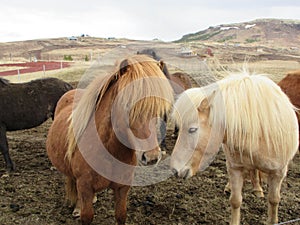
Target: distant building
[186,52]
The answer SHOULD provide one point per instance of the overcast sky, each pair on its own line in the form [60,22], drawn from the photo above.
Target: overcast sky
[167,20]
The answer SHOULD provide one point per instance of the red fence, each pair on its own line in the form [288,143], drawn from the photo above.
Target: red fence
[31,67]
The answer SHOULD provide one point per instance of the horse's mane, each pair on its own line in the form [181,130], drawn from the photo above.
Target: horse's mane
[255,109]
[135,71]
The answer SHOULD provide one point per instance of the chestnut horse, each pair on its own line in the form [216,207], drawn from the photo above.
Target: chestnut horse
[255,122]
[179,81]
[95,133]
[290,85]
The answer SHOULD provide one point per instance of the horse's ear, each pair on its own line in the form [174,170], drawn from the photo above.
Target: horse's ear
[123,67]
[206,102]
[204,105]
[161,65]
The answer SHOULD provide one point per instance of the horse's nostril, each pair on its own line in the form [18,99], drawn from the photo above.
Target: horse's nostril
[144,159]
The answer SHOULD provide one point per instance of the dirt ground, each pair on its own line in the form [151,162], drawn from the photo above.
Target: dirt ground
[34,193]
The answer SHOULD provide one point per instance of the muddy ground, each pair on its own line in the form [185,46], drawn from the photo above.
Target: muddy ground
[34,193]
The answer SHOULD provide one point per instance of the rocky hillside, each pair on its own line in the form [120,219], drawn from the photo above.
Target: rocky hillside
[285,33]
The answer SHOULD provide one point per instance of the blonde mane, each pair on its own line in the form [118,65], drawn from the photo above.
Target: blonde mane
[250,109]
[141,87]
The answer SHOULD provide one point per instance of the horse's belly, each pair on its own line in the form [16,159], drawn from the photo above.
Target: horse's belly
[256,161]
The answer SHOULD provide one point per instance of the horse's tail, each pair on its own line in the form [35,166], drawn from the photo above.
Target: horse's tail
[71,142]
[71,190]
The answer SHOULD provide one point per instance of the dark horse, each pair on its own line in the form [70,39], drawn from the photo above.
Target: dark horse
[27,105]
[179,82]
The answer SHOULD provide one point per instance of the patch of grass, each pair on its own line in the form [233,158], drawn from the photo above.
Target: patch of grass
[227,38]
[251,40]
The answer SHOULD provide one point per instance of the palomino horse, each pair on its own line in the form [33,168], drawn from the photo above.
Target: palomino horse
[27,105]
[255,122]
[290,85]
[94,142]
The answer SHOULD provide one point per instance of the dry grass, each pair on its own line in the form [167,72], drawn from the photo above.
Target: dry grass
[275,69]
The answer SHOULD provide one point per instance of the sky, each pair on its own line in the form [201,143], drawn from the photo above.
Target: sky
[167,20]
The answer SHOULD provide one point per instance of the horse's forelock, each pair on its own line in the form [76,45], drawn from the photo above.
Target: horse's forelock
[133,68]
[143,67]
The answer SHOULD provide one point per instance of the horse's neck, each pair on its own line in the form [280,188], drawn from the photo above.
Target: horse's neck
[109,132]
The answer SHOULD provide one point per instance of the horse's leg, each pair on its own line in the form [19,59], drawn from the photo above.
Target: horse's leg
[227,188]
[175,133]
[255,179]
[274,183]
[85,198]
[120,194]
[163,129]
[236,184]
[4,149]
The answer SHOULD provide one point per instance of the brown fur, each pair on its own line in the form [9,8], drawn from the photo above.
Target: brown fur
[27,105]
[73,140]
[182,81]
[290,85]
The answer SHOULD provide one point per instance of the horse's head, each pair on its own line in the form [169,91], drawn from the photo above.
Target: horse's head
[144,94]
[195,147]
[150,52]
[145,142]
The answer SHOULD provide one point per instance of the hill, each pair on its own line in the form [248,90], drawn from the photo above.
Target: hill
[272,32]
[57,48]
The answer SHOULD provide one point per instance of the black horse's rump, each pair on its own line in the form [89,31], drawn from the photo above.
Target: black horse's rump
[27,105]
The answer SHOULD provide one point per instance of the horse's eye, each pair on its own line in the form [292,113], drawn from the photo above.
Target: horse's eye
[193,130]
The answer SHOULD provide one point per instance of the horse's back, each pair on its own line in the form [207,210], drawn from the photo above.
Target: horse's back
[260,120]
[67,99]
[27,105]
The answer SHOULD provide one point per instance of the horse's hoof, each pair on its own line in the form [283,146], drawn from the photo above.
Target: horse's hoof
[95,199]
[11,168]
[5,175]
[76,213]
[259,194]
[227,190]
[174,136]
